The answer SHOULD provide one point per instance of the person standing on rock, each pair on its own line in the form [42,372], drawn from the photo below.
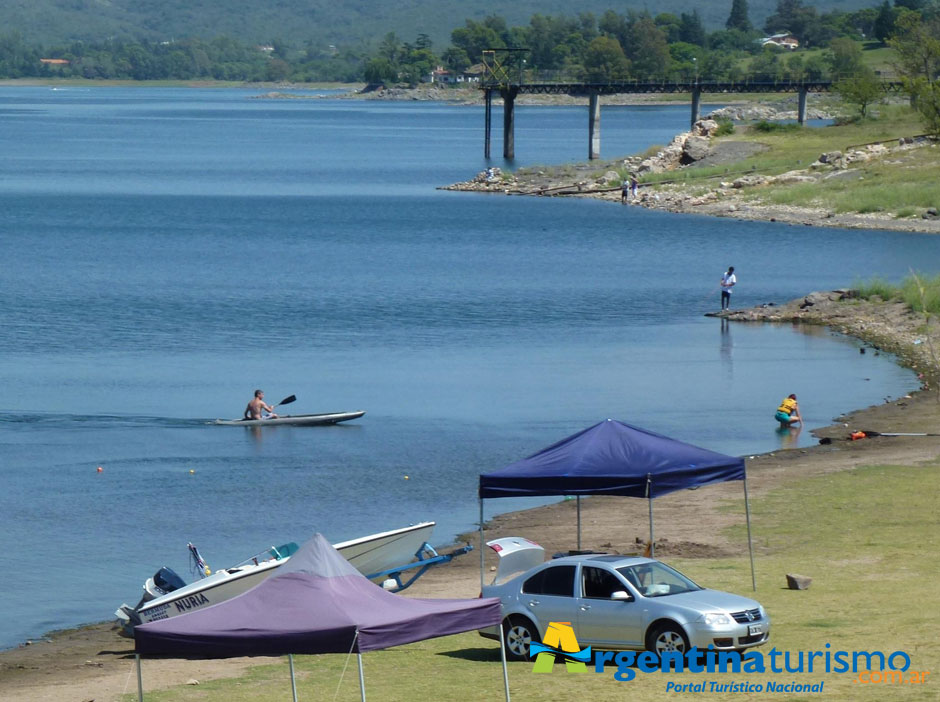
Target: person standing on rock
[624,191]
[728,281]
[634,186]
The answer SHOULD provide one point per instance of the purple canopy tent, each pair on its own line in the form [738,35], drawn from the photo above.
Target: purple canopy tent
[614,458]
[315,603]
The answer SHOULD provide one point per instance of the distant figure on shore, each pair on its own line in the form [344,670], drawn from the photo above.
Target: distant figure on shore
[258,408]
[634,186]
[728,281]
[788,412]
[624,192]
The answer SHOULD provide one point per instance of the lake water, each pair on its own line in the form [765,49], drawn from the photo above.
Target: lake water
[165,252]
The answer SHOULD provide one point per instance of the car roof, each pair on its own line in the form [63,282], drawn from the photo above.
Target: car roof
[611,559]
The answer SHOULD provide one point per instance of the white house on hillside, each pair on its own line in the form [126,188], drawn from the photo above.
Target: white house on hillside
[784,40]
[442,76]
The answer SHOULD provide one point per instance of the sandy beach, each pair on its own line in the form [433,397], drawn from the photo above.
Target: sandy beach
[94,663]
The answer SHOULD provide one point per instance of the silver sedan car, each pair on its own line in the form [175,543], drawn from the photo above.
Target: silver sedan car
[623,602]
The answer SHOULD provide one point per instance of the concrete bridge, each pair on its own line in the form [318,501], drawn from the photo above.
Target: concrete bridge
[496,82]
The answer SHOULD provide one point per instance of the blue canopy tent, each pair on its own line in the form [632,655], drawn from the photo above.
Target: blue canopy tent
[614,458]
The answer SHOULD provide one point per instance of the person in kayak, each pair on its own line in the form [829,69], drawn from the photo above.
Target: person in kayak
[258,408]
[788,412]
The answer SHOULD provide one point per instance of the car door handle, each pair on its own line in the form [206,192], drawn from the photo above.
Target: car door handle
[585,608]
[533,603]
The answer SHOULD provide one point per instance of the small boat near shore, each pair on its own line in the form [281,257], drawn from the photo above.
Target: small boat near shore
[295,420]
[377,556]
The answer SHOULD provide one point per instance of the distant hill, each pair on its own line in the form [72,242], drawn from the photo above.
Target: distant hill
[319,22]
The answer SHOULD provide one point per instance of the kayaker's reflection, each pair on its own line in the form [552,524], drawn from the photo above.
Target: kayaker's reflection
[789,435]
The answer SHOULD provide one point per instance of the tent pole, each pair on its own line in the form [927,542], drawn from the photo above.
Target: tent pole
[579,522]
[293,682]
[482,566]
[140,680]
[502,654]
[750,544]
[362,680]
[649,499]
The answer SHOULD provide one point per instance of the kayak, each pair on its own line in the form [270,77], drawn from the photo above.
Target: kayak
[296,420]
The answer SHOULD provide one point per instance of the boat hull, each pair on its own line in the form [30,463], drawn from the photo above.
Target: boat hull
[296,420]
[369,554]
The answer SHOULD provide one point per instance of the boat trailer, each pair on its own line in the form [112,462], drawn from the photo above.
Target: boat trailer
[426,557]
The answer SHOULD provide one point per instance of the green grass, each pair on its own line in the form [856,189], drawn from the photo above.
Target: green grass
[877,287]
[909,291]
[903,184]
[869,537]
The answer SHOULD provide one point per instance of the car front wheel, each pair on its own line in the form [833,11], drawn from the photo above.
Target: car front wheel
[667,638]
[518,634]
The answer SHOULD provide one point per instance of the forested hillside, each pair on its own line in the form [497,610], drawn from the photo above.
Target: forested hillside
[318,22]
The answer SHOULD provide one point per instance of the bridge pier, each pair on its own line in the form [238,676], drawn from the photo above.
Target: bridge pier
[696,98]
[509,121]
[488,121]
[801,112]
[594,126]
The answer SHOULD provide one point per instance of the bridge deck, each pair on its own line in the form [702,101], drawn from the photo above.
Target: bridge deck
[702,86]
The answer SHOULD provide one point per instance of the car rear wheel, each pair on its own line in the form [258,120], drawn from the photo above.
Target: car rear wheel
[667,638]
[518,634]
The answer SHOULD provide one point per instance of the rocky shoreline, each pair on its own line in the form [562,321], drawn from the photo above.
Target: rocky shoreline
[889,326]
[729,195]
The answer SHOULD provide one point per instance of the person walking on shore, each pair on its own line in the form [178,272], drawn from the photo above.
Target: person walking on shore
[788,412]
[624,191]
[728,281]
[634,186]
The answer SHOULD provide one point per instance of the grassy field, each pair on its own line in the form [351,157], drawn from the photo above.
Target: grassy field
[905,184]
[870,538]
[921,293]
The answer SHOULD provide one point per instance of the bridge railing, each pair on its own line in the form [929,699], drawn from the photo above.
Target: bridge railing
[558,81]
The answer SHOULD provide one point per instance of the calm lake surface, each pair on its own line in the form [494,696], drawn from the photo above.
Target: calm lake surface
[165,252]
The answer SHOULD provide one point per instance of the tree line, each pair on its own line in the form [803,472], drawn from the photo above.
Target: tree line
[613,47]
[222,58]
[642,46]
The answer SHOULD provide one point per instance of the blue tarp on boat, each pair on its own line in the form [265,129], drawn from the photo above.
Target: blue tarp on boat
[612,458]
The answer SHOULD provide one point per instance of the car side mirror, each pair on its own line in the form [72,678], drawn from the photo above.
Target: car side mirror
[621,595]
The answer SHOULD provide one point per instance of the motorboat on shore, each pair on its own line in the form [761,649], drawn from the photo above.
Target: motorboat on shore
[380,557]
[295,420]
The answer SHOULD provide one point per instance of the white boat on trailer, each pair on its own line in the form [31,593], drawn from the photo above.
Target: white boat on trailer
[294,420]
[381,557]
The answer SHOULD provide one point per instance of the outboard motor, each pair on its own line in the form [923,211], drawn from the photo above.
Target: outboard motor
[163,581]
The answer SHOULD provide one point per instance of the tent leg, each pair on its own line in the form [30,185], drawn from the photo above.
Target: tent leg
[362,680]
[652,541]
[579,522]
[482,565]
[750,544]
[502,654]
[140,680]
[293,681]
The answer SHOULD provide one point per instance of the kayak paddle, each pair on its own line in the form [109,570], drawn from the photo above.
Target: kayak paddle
[287,400]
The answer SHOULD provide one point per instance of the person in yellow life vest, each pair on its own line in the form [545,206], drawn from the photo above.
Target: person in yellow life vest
[788,412]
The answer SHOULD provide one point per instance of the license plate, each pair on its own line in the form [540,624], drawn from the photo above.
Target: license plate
[755,629]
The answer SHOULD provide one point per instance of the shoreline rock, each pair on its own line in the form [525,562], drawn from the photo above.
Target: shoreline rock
[889,326]
[731,197]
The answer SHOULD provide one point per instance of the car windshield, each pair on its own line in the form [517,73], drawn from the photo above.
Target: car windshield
[657,579]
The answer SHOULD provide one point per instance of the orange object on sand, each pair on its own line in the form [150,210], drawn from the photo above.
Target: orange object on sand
[856,435]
